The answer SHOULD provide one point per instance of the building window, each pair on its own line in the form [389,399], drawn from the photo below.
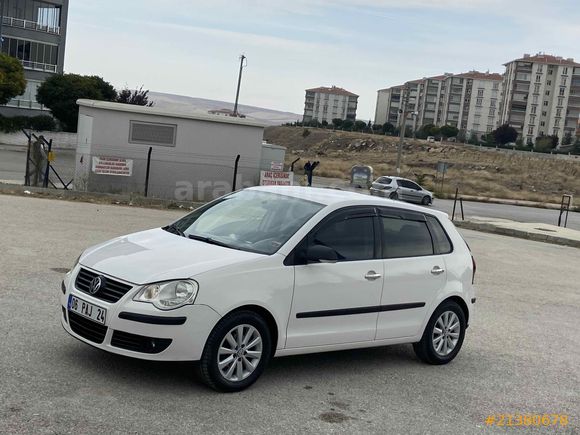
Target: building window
[544,113]
[533,109]
[557,122]
[538,78]
[545,103]
[542,123]
[531,129]
[489,128]
[560,101]
[535,99]
[31,53]
[152,133]
[537,89]
[479,102]
[547,93]
[480,92]
[564,79]
[550,71]
[532,119]
[491,112]
[565,71]
[558,112]
[562,91]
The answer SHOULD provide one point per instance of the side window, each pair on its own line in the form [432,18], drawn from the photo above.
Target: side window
[352,238]
[441,240]
[401,183]
[405,238]
[412,185]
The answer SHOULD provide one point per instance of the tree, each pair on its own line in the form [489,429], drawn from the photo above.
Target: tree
[567,140]
[12,81]
[473,139]
[138,97]
[545,144]
[576,149]
[360,125]
[388,128]
[337,122]
[60,93]
[449,131]
[324,123]
[505,134]
[347,124]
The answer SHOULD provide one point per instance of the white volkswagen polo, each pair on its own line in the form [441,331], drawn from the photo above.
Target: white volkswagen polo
[275,271]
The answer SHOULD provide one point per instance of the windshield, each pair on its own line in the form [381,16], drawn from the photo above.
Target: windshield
[248,220]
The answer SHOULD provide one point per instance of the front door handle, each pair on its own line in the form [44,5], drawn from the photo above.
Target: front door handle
[372,275]
[437,270]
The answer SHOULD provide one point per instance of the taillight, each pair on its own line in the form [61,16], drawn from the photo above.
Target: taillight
[474,269]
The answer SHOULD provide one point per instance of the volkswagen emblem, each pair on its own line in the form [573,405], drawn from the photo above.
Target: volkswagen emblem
[96,284]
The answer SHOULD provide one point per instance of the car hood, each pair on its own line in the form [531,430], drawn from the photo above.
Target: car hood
[157,255]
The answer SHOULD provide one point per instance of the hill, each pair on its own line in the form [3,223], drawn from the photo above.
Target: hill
[474,170]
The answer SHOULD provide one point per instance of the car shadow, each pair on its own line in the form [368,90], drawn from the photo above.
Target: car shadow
[182,376]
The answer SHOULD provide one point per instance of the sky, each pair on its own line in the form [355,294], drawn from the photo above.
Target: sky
[192,47]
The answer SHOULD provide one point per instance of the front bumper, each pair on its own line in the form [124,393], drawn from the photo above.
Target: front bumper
[146,333]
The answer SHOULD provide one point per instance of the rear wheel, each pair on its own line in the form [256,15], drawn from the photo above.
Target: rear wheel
[236,352]
[426,200]
[443,335]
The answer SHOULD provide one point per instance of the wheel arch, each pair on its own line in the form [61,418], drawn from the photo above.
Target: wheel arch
[267,316]
[462,304]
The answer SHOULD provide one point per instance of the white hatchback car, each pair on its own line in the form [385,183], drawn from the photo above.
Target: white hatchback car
[275,271]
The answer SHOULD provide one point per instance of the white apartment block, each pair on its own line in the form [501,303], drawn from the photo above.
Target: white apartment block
[326,104]
[468,101]
[541,96]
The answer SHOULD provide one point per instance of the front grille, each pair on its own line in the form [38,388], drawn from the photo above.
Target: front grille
[139,343]
[87,328]
[112,291]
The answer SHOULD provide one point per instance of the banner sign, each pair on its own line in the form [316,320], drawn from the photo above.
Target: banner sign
[112,166]
[275,178]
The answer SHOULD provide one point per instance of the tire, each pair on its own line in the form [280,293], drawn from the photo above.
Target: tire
[210,371]
[426,200]
[394,196]
[426,349]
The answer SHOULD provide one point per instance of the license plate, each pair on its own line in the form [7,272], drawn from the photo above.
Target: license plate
[90,311]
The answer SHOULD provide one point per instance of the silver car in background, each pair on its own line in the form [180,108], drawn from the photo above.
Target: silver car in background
[401,188]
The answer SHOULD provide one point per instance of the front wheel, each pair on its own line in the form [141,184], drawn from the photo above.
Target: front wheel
[443,335]
[426,200]
[236,352]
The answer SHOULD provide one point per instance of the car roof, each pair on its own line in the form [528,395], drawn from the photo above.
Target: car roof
[337,197]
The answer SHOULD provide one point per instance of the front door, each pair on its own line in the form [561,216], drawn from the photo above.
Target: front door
[337,303]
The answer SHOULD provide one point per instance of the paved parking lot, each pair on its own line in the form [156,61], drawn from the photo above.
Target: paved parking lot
[521,354]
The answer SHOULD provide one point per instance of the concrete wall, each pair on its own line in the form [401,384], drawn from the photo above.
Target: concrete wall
[60,140]
[200,165]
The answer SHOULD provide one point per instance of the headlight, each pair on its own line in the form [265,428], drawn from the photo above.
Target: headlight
[168,295]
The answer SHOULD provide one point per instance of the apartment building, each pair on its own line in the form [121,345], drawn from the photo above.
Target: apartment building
[541,96]
[328,103]
[468,101]
[34,32]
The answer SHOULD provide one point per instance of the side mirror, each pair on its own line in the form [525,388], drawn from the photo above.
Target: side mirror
[321,254]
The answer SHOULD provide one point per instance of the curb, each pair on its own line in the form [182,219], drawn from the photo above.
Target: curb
[490,228]
[134,200]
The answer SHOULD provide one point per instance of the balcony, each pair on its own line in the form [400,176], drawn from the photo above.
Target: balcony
[37,66]
[25,104]
[30,25]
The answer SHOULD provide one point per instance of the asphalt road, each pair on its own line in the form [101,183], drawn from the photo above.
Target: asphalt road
[511,212]
[521,354]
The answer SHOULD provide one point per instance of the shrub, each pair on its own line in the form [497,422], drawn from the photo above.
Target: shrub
[17,123]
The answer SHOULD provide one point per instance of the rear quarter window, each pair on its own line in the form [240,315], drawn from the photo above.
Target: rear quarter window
[405,238]
[441,242]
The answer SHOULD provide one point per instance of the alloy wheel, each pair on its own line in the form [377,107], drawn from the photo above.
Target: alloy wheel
[239,353]
[446,333]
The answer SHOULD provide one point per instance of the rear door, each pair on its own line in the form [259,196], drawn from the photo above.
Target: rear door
[337,303]
[414,273]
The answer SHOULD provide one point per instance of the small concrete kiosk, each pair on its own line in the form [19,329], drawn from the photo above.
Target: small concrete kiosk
[192,154]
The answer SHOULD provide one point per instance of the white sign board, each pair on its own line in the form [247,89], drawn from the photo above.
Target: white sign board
[276,166]
[112,166]
[275,178]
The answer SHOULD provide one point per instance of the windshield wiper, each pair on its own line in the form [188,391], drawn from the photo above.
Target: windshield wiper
[172,228]
[210,241]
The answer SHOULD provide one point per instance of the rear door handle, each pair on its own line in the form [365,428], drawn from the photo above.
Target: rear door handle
[437,270]
[372,275]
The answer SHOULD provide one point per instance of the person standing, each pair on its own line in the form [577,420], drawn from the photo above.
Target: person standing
[309,169]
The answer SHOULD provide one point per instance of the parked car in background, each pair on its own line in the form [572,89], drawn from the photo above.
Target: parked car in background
[274,271]
[431,139]
[401,188]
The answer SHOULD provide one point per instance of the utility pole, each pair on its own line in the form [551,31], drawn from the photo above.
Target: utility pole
[403,112]
[242,59]
[1,23]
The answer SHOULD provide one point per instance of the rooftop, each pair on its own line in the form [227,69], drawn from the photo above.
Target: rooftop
[143,110]
[545,58]
[481,75]
[334,90]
